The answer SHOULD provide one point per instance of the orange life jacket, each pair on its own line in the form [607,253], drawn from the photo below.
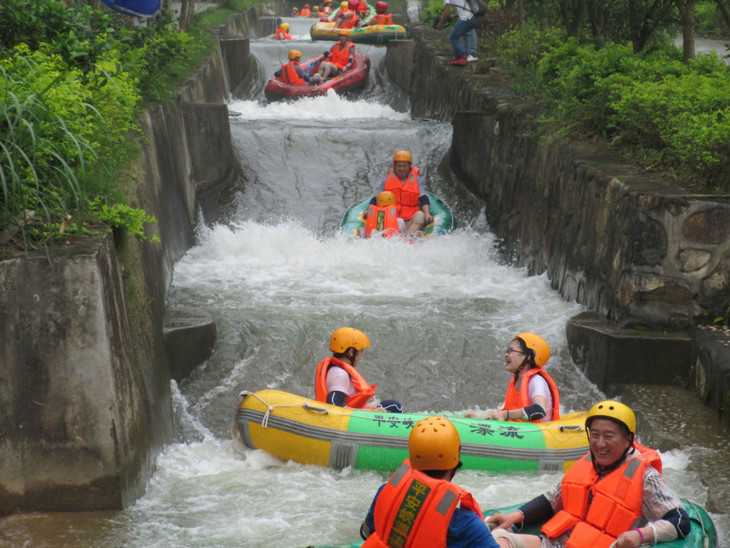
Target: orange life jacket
[362,7]
[382,219]
[600,509]
[305,12]
[326,10]
[281,35]
[415,510]
[290,75]
[350,21]
[358,399]
[518,395]
[340,55]
[382,19]
[406,195]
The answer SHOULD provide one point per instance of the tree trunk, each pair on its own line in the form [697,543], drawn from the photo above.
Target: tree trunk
[643,23]
[687,13]
[572,12]
[724,11]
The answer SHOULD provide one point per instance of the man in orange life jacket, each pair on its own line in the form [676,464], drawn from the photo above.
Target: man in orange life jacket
[292,72]
[282,33]
[306,12]
[412,203]
[419,506]
[326,7]
[615,496]
[341,58]
[337,382]
[380,17]
[532,394]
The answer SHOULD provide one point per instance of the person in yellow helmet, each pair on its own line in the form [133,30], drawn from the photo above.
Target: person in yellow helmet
[412,203]
[337,380]
[420,506]
[614,496]
[282,33]
[532,394]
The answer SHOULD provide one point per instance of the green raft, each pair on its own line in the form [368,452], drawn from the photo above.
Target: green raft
[702,534]
[443,220]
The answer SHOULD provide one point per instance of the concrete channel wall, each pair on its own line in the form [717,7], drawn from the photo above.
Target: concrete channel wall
[84,365]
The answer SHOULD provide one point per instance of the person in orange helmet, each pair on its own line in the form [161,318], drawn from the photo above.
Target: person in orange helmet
[292,72]
[420,506]
[412,202]
[338,382]
[615,496]
[532,395]
[340,58]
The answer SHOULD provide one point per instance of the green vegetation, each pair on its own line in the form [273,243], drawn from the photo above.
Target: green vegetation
[621,80]
[72,82]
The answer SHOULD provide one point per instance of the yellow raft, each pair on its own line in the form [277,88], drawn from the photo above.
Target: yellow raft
[291,427]
[373,34]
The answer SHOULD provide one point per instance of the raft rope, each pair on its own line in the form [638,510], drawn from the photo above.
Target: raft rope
[705,536]
[269,408]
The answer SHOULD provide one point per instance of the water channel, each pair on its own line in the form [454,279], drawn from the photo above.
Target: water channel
[278,279]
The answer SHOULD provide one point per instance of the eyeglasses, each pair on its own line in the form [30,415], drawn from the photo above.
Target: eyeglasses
[510,350]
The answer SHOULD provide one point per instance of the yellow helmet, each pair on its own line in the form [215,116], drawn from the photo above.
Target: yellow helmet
[294,54]
[284,27]
[434,444]
[346,337]
[343,5]
[385,198]
[403,156]
[315,9]
[538,345]
[615,410]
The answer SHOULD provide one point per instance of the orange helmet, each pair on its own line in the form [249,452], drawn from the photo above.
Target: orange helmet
[403,156]
[538,345]
[385,198]
[434,444]
[294,54]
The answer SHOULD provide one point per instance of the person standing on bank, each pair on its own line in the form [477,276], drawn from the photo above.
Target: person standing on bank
[419,506]
[463,36]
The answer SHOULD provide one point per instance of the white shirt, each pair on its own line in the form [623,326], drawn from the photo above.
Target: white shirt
[339,381]
[539,387]
[462,9]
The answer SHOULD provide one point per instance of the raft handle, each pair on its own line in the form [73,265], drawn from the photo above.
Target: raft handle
[571,427]
[315,409]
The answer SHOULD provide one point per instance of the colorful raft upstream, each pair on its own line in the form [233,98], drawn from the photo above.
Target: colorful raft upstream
[291,427]
[702,535]
[374,34]
[356,78]
[443,220]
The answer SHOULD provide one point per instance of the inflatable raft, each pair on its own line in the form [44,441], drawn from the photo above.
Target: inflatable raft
[443,220]
[354,79]
[294,428]
[702,535]
[374,34]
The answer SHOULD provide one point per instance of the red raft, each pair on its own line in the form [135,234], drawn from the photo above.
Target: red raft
[353,79]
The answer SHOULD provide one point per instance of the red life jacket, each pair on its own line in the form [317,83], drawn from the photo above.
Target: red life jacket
[414,510]
[406,195]
[382,19]
[281,35]
[600,509]
[518,396]
[358,399]
[305,12]
[340,55]
[382,219]
[290,75]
